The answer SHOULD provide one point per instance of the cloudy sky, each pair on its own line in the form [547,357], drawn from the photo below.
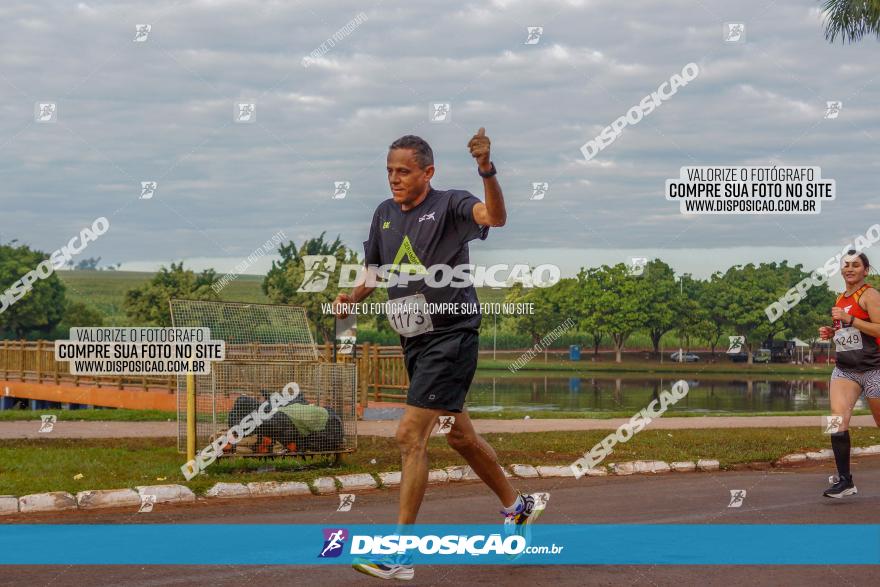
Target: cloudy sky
[163,110]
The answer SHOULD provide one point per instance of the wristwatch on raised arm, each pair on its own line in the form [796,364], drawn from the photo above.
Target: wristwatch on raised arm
[489,173]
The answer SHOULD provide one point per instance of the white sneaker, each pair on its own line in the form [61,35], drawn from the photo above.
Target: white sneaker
[384,568]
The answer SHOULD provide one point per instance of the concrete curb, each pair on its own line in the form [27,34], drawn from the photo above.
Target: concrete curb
[390,479]
[53,501]
[167,493]
[8,505]
[438,476]
[708,465]
[107,498]
[278,488]
[525,471]
[357,481]
[324,485]
[114,498]
[228,490]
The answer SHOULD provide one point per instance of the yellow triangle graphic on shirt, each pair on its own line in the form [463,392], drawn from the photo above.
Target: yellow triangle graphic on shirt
[414,267]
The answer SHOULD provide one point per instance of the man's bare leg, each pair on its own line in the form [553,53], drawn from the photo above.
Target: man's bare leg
[412,439]
[481,457]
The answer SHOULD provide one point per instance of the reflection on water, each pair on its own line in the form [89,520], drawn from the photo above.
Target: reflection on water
[607,394]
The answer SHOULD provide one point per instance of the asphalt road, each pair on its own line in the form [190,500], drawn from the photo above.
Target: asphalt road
[773,496]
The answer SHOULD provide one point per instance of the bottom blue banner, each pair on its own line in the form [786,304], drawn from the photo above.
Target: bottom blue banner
[279,544]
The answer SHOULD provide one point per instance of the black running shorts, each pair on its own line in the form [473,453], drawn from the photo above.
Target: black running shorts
[441,366]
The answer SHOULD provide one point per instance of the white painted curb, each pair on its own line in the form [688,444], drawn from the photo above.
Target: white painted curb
[8,505]
[456,473]
[53,501]
[545,471]
[167,493]
[821,455]
[468,474]
[793,458]
[622,468]
[524,471]
[278,488]
[390,479]
[228,490]
[107,498]
[357,481]
[324,485]
[708,465]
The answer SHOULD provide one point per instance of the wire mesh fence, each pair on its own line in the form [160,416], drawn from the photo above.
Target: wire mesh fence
[268,347]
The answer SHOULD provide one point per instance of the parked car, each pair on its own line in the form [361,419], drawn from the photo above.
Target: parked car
[685,358]
[738,357]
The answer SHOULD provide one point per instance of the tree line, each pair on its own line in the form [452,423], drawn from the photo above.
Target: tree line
[606,303]
[611,302]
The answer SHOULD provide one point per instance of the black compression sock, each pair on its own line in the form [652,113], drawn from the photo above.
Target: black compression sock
[840,445]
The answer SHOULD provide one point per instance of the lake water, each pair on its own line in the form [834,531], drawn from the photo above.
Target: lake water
[630,394]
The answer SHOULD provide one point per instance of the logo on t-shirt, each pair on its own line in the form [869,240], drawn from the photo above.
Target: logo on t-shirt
[428,216]
[414,266]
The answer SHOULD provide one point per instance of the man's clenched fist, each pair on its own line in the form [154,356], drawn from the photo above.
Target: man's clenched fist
[479,146]
[341,305]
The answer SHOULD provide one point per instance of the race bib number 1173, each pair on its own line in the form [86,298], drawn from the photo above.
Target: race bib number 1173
[408,316]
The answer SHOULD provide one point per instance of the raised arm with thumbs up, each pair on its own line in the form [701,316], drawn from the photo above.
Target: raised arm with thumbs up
[479,146]
[492,211]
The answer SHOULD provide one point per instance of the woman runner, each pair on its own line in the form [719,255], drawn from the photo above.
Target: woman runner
[856,335]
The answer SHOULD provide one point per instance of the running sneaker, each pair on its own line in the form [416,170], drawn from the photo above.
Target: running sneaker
[387,567]
[841,487]
[519,521]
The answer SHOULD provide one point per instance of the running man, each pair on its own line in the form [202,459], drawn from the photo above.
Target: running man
[418,228]
[856,335]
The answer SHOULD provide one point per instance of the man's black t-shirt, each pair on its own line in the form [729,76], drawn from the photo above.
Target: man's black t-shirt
[436,232]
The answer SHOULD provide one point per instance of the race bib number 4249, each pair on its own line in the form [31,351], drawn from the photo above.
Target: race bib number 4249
[408,316]
[848,339]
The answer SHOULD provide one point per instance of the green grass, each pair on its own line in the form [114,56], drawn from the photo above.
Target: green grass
[91,415]
[30,466]
[105,290]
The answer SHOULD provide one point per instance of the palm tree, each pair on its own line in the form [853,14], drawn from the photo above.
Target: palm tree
[851,19]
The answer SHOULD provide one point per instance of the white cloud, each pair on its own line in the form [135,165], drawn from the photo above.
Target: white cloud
[164,110]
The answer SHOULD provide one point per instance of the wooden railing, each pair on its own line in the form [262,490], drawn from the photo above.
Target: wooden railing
[381,371]
[34,361]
